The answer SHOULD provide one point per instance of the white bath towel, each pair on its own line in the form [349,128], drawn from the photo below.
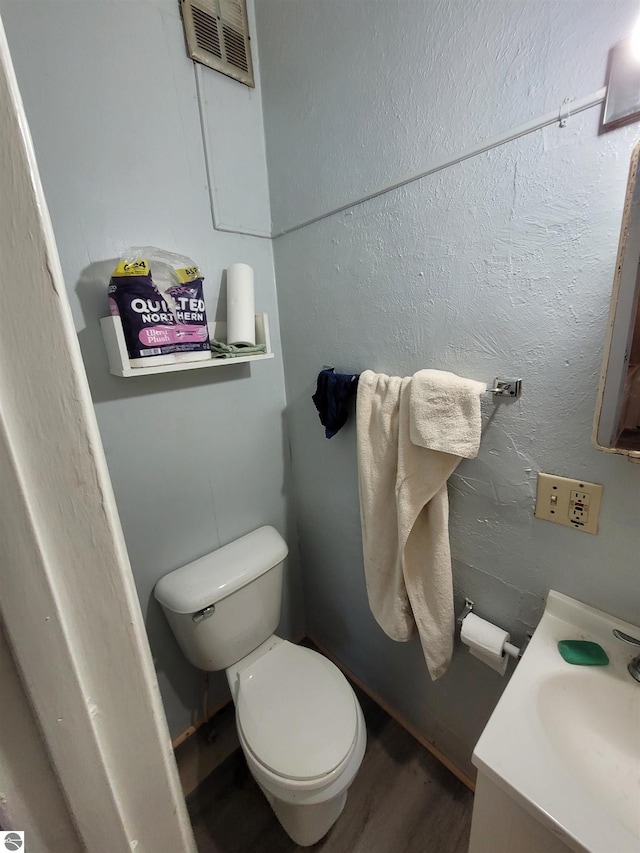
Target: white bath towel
[404,511]
[377,420]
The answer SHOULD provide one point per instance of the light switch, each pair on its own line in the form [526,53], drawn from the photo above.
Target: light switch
[574,503]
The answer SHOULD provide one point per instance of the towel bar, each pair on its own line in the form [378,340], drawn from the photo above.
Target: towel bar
[501,387]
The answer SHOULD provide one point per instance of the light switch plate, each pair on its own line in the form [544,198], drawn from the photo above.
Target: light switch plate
[574,503]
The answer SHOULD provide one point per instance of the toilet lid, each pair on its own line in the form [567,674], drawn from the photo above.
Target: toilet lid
[297,712]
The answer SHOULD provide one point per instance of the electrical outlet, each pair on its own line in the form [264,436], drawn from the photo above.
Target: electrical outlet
[579,503]
[574,503]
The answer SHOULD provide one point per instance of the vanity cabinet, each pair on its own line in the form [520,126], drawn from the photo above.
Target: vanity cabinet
[558,759]
[501,825]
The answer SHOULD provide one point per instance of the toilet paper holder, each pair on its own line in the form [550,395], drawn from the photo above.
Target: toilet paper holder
[509,648]
[468,607]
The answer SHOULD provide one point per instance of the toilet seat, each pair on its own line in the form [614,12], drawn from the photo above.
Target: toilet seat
[296,713]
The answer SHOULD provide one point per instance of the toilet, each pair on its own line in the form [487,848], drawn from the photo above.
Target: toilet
[299,722]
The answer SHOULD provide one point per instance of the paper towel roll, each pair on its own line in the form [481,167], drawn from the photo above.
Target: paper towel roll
[241,321]
[486,642]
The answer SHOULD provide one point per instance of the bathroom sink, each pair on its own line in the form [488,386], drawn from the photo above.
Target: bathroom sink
[593,721]
[564,740]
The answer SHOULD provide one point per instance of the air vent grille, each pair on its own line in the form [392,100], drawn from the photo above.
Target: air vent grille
[206,30]
[217,35]
[236,52]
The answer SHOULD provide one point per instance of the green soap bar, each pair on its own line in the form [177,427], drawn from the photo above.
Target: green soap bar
[583,653]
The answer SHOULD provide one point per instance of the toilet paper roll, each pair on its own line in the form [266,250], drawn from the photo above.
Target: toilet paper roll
[486,642]
[241,321]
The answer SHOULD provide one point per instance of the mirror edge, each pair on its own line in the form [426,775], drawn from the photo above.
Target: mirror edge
[632,455]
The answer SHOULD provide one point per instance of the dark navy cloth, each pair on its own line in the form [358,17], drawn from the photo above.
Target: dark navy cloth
[333,393]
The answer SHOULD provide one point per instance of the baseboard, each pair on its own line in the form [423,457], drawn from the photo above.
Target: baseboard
[442,758]
[187,733]
[200,755]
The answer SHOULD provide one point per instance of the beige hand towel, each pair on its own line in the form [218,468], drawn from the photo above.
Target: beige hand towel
[445,412]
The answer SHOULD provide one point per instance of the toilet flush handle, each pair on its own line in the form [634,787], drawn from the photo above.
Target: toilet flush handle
[203,614]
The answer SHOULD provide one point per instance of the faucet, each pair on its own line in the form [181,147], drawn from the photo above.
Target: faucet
[634,664]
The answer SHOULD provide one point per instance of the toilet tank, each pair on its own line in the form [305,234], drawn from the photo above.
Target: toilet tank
[225,604]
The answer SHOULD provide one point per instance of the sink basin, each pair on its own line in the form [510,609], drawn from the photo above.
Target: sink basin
[593,721]
[564,740]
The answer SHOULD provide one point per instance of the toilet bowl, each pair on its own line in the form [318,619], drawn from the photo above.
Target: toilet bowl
[302,732]
[299,723]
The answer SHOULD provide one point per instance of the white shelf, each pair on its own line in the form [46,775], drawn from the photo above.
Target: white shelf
[119,357]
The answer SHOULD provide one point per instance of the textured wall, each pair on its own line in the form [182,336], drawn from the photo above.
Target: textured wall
[197,459]
[501,265]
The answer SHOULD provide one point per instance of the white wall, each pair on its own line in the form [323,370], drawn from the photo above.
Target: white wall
[501,265]
[197,459]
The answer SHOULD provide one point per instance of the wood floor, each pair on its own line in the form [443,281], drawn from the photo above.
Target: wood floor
[402,801]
